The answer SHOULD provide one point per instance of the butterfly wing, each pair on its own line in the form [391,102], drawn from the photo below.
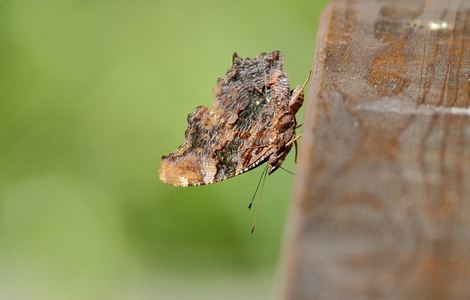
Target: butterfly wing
[237,134]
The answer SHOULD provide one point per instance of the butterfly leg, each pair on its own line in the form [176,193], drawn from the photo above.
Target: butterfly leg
[278,156]
[295,151]
[294,140]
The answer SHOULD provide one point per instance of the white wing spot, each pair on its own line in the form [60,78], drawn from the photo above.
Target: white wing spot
[438,25]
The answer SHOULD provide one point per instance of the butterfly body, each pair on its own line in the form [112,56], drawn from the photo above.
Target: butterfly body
[252,122]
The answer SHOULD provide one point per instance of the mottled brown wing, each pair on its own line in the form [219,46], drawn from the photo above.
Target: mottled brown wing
[237,134]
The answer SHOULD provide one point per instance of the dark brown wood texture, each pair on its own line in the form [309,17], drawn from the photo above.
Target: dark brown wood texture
[382,202]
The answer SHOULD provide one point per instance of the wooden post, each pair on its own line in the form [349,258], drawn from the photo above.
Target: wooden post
[382,201]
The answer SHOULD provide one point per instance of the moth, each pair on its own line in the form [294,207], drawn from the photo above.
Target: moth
[252,122]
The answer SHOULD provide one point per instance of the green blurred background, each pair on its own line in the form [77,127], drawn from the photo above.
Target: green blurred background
[92,94]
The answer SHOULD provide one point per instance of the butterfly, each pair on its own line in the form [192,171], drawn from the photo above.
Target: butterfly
[252,122]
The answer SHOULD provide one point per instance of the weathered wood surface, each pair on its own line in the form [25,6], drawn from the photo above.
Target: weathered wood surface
[382,202]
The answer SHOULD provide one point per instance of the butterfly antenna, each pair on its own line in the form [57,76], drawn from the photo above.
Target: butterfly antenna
[258,207]
[257,187]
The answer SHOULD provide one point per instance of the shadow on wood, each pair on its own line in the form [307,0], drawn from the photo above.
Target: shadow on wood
[382,202]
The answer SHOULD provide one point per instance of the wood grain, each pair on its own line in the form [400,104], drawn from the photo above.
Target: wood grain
[382,202]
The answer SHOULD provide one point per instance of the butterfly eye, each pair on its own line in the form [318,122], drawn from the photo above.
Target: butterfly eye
[286,122]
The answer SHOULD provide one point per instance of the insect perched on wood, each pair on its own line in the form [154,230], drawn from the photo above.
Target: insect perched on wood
[252,122]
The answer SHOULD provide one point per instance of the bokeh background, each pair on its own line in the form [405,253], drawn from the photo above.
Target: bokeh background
[92,93]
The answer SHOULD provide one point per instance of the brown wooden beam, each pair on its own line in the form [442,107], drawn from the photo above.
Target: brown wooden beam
[382,201]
